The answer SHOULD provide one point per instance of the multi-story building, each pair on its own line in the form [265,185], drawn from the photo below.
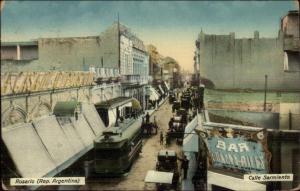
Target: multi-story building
[291,44]
[134,64]
[231,63]
[116,51]
[155,63]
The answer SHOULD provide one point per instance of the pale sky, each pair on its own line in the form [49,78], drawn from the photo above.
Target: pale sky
[172,26]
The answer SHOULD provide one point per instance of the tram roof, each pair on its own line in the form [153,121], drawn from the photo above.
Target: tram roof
[124,131]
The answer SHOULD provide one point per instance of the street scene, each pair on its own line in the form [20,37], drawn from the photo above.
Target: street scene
[150,95]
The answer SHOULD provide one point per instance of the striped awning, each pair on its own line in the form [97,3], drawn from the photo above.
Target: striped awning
[154,95]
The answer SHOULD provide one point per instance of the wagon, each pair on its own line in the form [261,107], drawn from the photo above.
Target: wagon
[167,162]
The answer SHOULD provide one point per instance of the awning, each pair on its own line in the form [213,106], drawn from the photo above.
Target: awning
[161,90]
[166,85]
[65,108]
[153,94]
[55,143]
[136,105]
[28,151]
[113,103]
[159,177]
[190,141]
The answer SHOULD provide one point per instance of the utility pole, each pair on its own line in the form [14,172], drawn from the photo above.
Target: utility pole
[266,85]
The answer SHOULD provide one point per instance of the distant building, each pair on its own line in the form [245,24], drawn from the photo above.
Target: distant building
[173,70]
[155,62]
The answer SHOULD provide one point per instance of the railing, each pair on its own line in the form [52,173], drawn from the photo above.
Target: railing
[105,72]
[135,79]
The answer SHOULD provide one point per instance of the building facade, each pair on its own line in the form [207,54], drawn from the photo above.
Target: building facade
[62,54]
[291,44]
[232,63]
[126,58]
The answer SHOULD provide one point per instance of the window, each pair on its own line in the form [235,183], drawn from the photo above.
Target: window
[19,52]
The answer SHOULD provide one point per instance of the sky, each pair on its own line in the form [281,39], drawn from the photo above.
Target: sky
[172,26]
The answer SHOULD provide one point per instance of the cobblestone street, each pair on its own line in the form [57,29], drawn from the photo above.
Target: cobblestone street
[146,161]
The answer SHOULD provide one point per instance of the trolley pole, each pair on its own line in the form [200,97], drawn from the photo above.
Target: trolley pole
[265,99]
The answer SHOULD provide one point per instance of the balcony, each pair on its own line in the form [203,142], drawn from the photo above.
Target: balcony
[134,79]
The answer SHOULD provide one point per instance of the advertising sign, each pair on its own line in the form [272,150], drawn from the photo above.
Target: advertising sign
[237,150]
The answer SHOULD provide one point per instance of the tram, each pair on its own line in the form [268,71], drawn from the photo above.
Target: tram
[117,148]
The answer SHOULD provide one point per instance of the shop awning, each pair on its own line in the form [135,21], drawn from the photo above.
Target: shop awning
[153,94]
[166,85]
[190,141]
[159,177]
[50,144]
[136,105]
[65,108]
[28,152]
[113,103]
[161,90]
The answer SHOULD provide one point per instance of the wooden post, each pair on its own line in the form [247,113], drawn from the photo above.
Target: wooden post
[265,99]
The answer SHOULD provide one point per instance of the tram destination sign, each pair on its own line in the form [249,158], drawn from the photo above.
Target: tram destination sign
[243,151]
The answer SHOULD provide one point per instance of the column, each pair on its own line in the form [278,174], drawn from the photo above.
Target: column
[18,52]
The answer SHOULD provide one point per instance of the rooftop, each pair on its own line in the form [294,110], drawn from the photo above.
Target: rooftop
[25,43]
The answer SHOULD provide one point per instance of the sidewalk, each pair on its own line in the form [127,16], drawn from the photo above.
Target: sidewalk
[151,111]
[187,184]
[190,147]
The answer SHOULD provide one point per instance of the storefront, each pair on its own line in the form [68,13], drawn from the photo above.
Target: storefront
[233,151]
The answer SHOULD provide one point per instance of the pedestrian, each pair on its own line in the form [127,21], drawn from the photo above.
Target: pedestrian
[149,129]
[147,118]
[161,140]
[155,125]
[143,120]
[184,165]
[167,139]
[171,123]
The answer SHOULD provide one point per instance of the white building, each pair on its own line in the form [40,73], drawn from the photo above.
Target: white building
[126,58]
[141,64]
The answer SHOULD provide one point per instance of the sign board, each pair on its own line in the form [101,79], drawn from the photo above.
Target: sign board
[237,150]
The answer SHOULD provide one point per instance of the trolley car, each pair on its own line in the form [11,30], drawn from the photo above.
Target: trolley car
[117,147]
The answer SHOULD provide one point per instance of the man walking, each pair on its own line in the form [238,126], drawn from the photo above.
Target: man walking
[184,166]
[161,140]
[155,125]
[147,118]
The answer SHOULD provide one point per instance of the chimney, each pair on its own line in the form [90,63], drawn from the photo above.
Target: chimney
[256,35]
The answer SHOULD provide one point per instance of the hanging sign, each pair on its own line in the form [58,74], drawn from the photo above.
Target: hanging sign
[237,150]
